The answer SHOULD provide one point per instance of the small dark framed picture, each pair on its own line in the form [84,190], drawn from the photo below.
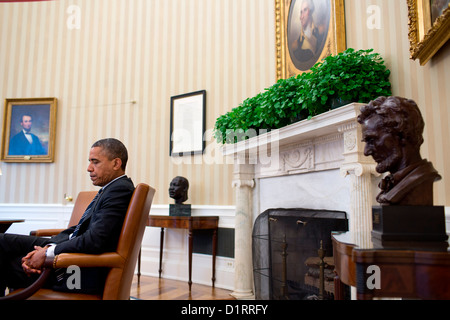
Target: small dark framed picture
[187,123]
[29,130]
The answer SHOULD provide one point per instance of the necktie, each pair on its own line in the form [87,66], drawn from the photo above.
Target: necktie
[86,213]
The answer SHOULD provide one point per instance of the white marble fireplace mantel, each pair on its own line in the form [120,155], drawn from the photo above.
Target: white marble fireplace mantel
[317,164]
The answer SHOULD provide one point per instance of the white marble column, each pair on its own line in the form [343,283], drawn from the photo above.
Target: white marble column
[361,170]
[361,206]
[243,265]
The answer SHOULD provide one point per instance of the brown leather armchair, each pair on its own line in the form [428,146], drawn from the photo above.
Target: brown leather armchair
[122,262]
[83,200]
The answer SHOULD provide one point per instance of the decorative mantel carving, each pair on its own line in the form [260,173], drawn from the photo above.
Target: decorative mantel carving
[330,141]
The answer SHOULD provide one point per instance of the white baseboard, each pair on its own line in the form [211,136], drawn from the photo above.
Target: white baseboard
[36,216]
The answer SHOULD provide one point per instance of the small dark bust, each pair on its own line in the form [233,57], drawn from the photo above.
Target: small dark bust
[392,130]
[178,189]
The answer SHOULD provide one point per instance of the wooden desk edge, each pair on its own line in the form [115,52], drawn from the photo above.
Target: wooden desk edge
[343,260]
[6,221]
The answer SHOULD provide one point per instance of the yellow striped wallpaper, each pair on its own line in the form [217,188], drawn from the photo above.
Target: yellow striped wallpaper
[114,64]
[130,50]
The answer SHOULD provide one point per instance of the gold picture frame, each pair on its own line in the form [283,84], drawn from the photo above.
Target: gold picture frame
[292,59]
[29,130]
[428,30]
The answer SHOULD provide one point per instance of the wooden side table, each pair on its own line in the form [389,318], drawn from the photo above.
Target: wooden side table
[402,273]
[191,224]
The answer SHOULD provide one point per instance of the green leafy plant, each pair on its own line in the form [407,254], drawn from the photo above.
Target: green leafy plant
[274,108]
[350,76]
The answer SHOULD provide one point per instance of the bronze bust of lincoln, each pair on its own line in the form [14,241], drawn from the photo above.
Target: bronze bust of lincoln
[392,129]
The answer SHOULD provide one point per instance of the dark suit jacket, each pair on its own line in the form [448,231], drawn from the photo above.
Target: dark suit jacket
[19,145]
[99,232]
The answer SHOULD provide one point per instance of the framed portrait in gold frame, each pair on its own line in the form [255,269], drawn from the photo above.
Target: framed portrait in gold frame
[307,31]
[429,27]
[29,130]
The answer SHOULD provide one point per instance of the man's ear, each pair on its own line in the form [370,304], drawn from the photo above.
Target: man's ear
[117,164]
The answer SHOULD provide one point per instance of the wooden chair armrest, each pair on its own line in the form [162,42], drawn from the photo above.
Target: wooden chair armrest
[23,294]
[45,232]
[84,260]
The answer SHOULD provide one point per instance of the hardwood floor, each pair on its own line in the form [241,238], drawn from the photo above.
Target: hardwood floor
[150,288]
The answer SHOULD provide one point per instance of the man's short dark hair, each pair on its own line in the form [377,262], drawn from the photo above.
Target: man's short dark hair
[114,149]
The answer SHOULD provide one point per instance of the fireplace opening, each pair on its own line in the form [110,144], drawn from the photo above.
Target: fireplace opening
[292,253]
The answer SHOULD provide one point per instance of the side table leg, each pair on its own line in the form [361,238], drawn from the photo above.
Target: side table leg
[214,248]
[161,246]
[190,259]
[338,288]
[139,266]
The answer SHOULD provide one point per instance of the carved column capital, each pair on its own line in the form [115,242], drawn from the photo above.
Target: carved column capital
[243,183]
[359,169]
[244,175]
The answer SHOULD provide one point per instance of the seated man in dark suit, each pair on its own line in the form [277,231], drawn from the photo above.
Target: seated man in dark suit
[22,257]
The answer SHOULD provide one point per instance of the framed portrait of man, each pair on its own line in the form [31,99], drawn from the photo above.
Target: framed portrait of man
[307,31]
[29,129]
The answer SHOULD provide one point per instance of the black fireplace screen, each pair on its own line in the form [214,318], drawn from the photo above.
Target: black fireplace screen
[286,256]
